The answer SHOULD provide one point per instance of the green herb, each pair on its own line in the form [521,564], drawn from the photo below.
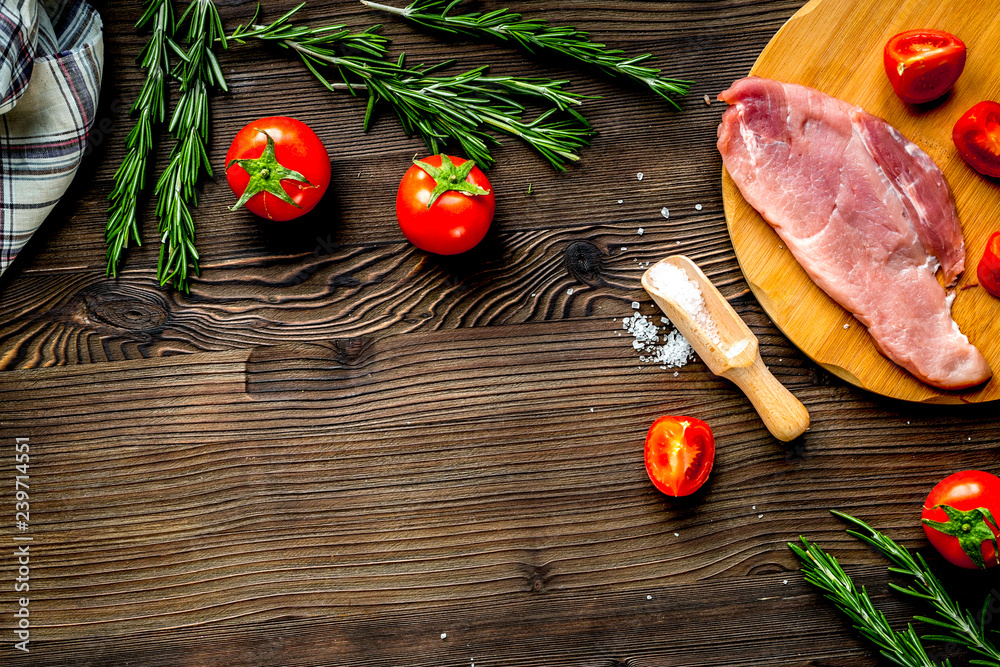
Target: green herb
[823,571]
[538,37]
[459,107]
[450,178]
[189,126]
[971,529]
[266,175]
[958,625]
[130,178]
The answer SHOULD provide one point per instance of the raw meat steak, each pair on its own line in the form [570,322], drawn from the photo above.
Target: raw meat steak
[866,213]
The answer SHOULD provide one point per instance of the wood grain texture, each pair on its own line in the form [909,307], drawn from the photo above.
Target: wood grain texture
[338,449]
[835,46]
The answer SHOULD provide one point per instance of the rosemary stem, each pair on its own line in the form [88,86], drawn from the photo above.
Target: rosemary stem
[400,11]
[538,37]
[130,177]
[439,108]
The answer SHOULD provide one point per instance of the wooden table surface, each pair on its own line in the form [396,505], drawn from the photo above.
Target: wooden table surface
[338,450]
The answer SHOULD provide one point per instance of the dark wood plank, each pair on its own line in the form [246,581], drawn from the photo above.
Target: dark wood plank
[219,490]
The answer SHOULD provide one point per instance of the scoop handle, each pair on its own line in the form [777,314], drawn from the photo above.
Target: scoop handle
[783,414]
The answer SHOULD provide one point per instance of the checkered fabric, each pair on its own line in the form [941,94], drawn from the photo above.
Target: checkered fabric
[51,59]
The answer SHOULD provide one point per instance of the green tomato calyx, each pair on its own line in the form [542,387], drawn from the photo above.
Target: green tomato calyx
[266,175]
[449,177]
[971,529]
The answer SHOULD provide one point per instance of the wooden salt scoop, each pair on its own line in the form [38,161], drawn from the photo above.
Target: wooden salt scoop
[736,356]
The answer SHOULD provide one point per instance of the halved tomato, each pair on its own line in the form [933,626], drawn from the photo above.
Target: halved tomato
[988,270]
[977,137]
[922,65]
[679,454]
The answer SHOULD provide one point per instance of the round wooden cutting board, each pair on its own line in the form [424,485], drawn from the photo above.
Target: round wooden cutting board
[836,47]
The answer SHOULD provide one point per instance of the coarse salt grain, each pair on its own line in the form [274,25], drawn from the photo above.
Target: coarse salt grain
[847,326]
[697,207]
[665,212]
[649,597]
[621,201]
[673,352]
[635,305]
[640,232]
[570,291]
[675,283]
[639,175]
[444,635]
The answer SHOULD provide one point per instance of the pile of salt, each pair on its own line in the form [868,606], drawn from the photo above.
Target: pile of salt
[674,352]
[674,282]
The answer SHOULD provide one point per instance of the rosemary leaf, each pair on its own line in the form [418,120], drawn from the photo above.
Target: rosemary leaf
[962,625]
[189,125]
[537,37]
[130,177]
[823,571]
[440,108]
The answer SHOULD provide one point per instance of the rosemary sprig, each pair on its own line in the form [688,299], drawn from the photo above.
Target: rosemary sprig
[957,624]
[538,37]
[438,108]
[189,124]
[130,177]
[823,571]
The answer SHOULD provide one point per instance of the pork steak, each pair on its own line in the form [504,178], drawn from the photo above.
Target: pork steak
[865,212]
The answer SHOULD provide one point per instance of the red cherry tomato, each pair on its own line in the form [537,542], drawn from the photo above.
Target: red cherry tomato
[278,168]
[445,205]
[679,454]
[922,65]
[977,137]
[988,270]
[963,525]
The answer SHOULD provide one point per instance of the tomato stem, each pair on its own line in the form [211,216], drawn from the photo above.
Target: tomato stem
[972,529]
[451,177]
[266,175]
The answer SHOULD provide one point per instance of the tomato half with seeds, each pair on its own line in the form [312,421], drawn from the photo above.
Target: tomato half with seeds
[278,168]
[958,518]
[679,454]
[922,65]
[977,136]
[988,270]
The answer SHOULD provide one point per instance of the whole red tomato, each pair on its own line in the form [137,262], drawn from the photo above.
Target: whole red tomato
[988,270]
[679,454]
[445,204]
[958,518]
[278,168]
[922,65]
[977,137]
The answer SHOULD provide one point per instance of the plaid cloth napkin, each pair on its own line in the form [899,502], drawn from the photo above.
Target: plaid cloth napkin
[51,58]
